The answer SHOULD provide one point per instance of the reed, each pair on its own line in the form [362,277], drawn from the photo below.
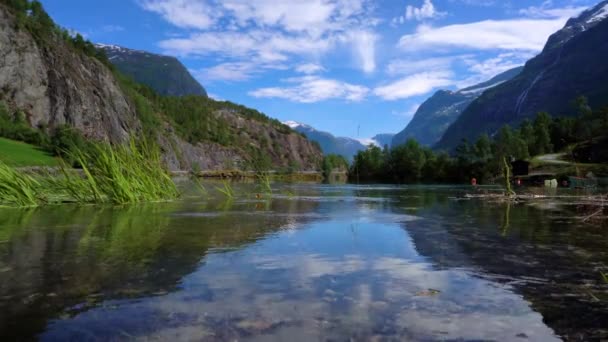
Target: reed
[18,189]
[226,189]
[110,174]
[123,174]
[264,182]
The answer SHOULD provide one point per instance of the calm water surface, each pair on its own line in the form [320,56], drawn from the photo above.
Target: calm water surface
[315,263]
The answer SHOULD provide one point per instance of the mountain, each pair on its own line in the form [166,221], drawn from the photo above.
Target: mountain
[329,143]
[437,113]
[572,64]
[165,74]
[383,139]
[52,80]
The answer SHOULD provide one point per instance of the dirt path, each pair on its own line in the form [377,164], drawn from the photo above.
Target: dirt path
[553,158]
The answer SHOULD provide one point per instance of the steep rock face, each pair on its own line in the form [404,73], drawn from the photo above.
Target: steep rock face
[433,117]
[572,64]
[165,74]
[286,150]
[437,113]
[54,85]
[283,148]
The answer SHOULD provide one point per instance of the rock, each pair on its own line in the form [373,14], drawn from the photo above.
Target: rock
[55,85]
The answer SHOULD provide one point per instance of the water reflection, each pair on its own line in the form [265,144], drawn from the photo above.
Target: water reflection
[330,263]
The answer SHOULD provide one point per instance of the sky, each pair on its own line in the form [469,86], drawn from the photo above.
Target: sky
[354,68]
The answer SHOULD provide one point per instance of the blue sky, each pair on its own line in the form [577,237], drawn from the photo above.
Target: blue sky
[351,67]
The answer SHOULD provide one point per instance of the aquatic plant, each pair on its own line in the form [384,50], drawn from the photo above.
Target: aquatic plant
[507,176]
[264,182]
[18,189]
[605,277]
[226,189]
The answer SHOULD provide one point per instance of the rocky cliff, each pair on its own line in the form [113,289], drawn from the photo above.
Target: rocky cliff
[54,84]
[572,64]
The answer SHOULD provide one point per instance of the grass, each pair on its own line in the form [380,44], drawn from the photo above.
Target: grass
[17,189]
[264,182]
[605,277]
[19,154]
[226,189]
[123,174]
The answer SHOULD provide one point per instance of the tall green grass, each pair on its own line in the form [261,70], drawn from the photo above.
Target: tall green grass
[18,189]
[264,182]
[226,189]
[123,174]
[110,174]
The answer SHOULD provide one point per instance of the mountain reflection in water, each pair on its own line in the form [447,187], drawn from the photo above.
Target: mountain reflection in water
[324,263]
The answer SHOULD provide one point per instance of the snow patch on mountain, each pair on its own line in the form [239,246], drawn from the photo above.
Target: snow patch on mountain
[480,90]
[601,14]
[368,141]
[292,124]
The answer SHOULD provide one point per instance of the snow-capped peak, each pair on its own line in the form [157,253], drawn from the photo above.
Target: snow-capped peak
[109,46]
[292,124]
[369,141]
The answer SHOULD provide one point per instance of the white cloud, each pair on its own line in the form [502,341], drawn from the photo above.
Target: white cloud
[311,16]
[546,10]
[195,14]
[309,68]
[268,30]
[417,84]
[226,72]
[426,11]
[234,71]
[310,89]
[364,46]
[408,66]
[514,34]
[215,97]
[258,45]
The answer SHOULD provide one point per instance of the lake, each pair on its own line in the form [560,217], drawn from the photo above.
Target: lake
[315,262]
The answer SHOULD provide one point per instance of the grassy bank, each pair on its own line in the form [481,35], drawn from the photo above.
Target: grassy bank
[15,153]
[119,175]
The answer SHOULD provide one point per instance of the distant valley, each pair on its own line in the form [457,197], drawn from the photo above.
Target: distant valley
[330,144]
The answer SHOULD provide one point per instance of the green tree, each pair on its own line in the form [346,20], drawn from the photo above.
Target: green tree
[408,161]
[542,134]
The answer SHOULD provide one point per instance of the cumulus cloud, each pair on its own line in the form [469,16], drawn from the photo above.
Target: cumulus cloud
[413,85]
[183,13]
[257,44]
[310,89]
[426,11]
[267,30]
